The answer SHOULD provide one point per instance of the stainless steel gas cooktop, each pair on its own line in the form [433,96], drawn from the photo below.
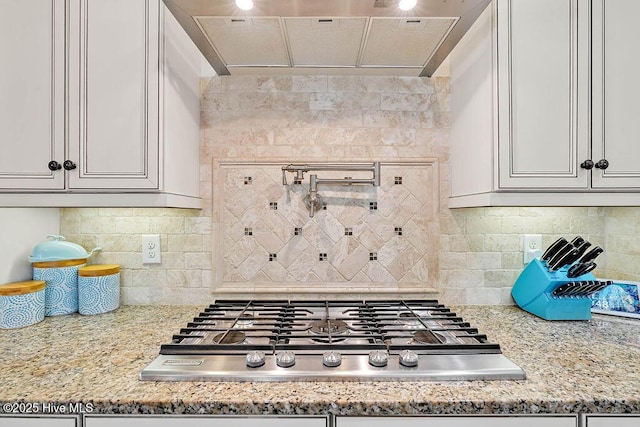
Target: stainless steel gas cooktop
[330,341]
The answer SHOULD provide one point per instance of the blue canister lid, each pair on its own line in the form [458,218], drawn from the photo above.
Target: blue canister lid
[58,249]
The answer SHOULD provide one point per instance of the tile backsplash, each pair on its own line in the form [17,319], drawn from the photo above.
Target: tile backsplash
[240,245]
[361,239]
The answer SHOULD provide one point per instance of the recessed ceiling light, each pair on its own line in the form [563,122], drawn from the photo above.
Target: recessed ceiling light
[246,4]
[407,4]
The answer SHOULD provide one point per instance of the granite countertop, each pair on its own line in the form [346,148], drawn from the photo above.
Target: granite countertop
[583,366]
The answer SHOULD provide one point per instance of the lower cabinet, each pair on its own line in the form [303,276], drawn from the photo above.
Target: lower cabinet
[39,421]
[318,421]
[612,421]
[460,421]
[202,421]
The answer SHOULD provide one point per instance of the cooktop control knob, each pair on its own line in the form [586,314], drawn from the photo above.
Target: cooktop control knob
[331,359]
[285,359]
[408,358]
[255,359]
[378,358]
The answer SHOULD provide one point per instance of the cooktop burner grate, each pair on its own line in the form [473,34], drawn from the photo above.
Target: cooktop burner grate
[278,340]
[354,326]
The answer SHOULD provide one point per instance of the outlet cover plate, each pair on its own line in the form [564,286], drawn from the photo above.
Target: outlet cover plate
[151,253]
[531,247]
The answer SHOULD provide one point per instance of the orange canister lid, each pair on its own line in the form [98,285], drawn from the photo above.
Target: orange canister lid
[20,288]
[98,270]
[58,264]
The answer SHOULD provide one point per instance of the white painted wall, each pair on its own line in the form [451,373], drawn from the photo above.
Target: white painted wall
[20,230]
[206,70]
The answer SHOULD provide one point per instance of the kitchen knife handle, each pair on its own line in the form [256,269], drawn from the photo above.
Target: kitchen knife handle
[591,255]
[578,288]
[598,286]
[574,271]
[560,253]
[577,241]
[553,249]
[589,267]
[581,269]
[562,289]
[575,254]
[583,248]
[564,260]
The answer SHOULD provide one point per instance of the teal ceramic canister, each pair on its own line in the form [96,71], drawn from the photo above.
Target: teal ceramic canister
[61,291]
[21,304]
[98,288]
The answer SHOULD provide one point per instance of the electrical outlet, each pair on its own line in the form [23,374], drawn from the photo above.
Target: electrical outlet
[151,253]
[532,247]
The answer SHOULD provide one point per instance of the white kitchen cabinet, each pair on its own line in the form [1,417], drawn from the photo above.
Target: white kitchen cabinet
[616,90]
[113,93]
[542,75]
[612,421]
[32,85]
[203,421]
[459,421]
[131,113]
[39,421]
[522,107]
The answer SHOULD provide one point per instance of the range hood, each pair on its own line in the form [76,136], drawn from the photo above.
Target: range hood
[357,37]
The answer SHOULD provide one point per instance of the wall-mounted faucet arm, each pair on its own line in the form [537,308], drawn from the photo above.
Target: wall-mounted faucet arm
[301,169]
[312,200]
[345,181]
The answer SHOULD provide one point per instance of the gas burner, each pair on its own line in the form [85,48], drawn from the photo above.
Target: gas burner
[231,337]
[409,319]
[428,337]
[245,320]
[323,329]
[329,326]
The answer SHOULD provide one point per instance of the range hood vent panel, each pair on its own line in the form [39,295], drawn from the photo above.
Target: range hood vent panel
[322,42]
[246,41]
[404,42]
[354,37]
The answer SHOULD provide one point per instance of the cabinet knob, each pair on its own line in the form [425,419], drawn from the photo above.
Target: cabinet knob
[602,164]
[54,166]
[69,165]
[587,164]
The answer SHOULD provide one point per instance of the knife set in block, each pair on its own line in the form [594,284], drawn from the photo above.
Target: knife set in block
[557,287]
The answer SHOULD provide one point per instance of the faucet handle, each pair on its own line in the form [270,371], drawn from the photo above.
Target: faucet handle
[284,175]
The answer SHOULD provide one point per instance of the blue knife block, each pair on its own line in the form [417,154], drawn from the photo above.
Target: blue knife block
[533,289]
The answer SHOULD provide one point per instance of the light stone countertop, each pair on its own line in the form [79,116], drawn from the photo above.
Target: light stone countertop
[585,366]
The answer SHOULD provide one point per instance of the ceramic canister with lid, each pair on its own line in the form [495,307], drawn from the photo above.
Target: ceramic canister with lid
[98,288]
[21,303]
[61,292]
[56,261]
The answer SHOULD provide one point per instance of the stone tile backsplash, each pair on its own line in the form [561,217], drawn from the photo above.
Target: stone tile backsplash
[363,236]
[241,243]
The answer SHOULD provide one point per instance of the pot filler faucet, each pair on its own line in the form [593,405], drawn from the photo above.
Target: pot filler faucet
[312,200]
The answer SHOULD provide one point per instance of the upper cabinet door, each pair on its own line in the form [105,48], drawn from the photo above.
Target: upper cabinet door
[31,93]
[113,97]
[543,112]
[616,91]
